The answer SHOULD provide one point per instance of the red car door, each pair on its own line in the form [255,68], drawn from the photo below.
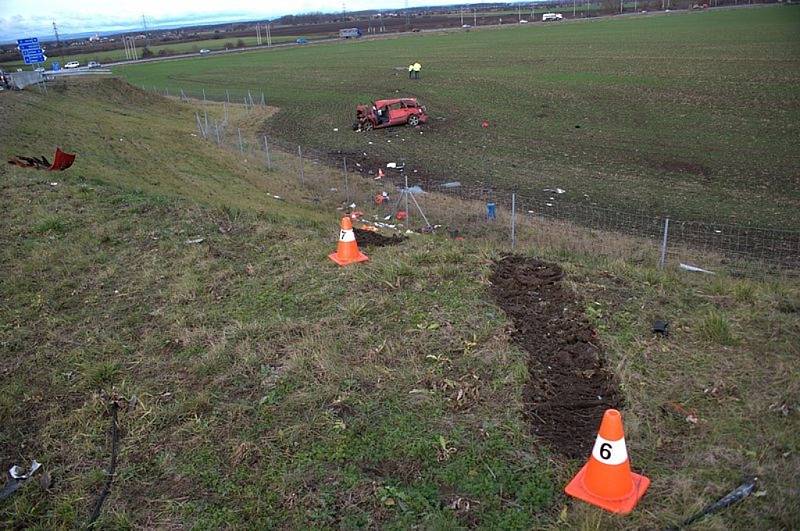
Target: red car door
[398,114]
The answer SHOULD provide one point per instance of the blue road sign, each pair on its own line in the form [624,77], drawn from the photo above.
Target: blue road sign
[56,66]
[31,51]
[32,57]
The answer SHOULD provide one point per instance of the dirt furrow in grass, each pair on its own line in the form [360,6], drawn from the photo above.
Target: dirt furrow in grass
[569,385]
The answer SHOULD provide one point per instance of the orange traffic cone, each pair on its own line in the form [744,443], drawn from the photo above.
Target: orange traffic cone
[606,480]
[347,249]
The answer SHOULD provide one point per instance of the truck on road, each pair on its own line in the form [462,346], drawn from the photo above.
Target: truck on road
[349,33]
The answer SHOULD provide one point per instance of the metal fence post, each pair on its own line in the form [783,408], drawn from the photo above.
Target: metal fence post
[302,173]
[204,96]
[513,220]
[405,195]
[266,148]
[663,259]
[346,184]
[241,146]
[227,96]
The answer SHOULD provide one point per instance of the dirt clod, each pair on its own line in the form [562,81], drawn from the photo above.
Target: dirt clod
[368,238]
[569,385]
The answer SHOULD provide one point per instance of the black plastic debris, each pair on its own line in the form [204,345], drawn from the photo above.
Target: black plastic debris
[660,328]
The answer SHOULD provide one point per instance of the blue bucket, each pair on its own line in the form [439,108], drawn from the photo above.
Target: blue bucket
[491,211]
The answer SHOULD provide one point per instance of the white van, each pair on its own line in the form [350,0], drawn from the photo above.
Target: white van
[552,17]
[72,64]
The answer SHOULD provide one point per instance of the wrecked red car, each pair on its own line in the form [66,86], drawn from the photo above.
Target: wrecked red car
[386,113]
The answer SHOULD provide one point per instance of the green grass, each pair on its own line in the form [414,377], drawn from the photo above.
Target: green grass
[274,389]
[686,114]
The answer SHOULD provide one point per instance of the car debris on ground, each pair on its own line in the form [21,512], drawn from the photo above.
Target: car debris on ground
[17,476]
[695,269]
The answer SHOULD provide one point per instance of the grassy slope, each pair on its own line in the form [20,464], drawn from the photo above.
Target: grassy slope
[276,389]
[689,114]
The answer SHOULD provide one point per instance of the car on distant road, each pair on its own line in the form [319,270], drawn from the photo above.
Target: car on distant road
[72,64]
[523,21]
[39,69]
[93,64]
[302,40]
[552,17]
[205,51]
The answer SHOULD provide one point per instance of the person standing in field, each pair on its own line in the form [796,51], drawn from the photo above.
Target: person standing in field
[417,68]
[410,70]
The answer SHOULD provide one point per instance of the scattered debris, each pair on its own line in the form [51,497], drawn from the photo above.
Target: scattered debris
[453,184]
[555,190]
[736,495]
[195,240]
[694,269]
[112,466]
[53,184]
[17,472]
[416,189]
[395,166]
[660,327]
[17,477]
[680,412]
[61,162]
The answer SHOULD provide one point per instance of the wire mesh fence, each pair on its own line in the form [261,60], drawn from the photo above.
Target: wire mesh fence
[526,218]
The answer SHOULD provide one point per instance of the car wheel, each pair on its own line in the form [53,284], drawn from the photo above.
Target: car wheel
[367,126]
[413,120]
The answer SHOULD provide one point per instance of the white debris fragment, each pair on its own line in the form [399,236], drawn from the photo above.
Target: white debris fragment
[17,472]
[53,184]
[335,129]
[549,204]
[195,240]
[694,269]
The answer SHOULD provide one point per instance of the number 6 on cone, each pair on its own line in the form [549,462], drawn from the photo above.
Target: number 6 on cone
[606,480]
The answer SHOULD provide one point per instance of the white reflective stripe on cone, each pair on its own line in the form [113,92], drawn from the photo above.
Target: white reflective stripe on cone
[347,236]
[610,452]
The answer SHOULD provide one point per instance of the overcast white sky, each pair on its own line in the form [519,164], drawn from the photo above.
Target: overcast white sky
[26,18]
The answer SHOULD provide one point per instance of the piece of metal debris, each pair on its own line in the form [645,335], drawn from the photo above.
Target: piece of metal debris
[734,496]
[695,269]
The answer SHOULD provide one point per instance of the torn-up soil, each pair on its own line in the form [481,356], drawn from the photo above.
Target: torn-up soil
[683,166]
[367,238]
[569,385]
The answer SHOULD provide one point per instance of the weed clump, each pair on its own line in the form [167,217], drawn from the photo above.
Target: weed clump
[715,328]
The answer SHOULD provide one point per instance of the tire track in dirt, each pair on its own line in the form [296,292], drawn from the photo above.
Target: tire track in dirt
[569,385]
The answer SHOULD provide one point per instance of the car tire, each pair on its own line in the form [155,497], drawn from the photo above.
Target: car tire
[413,120]
[367,126]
